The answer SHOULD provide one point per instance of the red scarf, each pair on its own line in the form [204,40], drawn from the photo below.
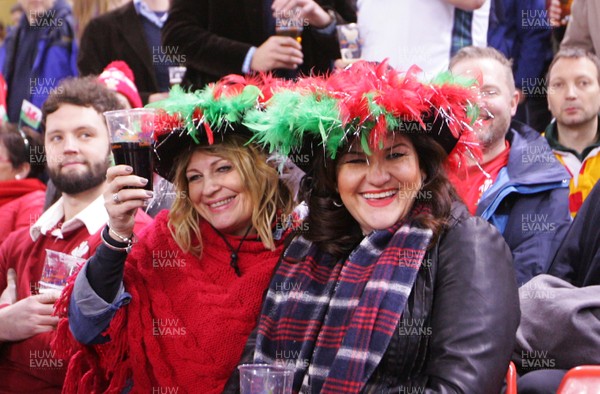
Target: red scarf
[188,320]
[11,190]
[479,179]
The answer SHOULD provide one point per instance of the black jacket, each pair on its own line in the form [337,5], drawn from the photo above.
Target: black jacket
[578,258]
[118,35]
[215,36]
[458,328]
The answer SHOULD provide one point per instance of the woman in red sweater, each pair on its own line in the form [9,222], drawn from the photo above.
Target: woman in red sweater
[21,191]
[174,306]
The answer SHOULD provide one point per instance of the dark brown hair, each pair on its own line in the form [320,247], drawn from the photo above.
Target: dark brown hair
[335,231]
[83,92]
[23,146]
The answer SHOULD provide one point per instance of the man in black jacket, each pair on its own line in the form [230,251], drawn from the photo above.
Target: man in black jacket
[131,33]
[233,36]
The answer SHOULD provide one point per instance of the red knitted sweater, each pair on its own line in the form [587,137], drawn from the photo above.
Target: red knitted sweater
[188,320]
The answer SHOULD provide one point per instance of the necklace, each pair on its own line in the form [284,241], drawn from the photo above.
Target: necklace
[234,252]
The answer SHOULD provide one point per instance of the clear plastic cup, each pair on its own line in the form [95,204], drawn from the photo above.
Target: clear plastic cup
[265,379]
[131,139]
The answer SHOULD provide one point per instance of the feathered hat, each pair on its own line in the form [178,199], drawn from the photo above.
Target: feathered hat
[364,102]
[206,116]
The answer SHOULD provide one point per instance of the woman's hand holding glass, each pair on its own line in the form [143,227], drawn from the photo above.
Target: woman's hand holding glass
[123,196]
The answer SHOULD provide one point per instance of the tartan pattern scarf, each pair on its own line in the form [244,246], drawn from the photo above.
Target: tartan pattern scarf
[332,321]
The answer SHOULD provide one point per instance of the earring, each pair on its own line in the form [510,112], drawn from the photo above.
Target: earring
[338,204]
[18,177]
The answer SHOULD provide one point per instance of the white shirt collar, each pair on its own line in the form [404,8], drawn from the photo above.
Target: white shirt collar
[144,10]
[93,217]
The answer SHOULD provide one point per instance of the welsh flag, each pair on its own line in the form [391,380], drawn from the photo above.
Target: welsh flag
[30,115]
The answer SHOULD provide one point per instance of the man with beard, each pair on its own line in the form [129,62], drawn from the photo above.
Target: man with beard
[574,100]
[519,186]
[77,154]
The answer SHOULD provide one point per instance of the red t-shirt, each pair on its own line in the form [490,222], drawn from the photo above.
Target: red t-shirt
[479,179]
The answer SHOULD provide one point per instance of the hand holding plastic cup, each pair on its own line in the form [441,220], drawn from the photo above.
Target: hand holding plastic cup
[131,139]
[265,379]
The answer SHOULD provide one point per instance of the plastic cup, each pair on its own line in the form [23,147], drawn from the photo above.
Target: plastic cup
[289,24]
[58,267]
[265,379]
[131,139]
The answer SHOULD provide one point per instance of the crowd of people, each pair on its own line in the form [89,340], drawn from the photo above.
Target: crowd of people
[411,221]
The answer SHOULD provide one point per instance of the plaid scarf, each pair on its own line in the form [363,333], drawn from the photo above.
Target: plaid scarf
[333,321]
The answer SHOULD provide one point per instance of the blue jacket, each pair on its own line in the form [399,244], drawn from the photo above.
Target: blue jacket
[521,31]
[529,202]
[55,56]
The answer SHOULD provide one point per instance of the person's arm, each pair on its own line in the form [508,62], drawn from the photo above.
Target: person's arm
[578,29]
[560,324]
[475,311]
[98,292]
[97,295]
[467,5]
[21,317]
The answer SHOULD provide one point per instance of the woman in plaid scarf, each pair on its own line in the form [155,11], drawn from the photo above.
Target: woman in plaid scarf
[394,286]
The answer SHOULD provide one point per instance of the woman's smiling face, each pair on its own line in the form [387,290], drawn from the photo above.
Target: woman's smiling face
[379,190]
[218,194]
